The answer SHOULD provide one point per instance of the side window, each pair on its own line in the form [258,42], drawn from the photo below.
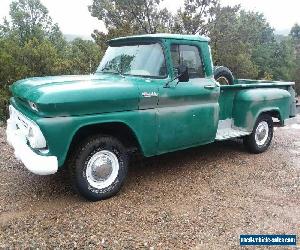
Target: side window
[190,56]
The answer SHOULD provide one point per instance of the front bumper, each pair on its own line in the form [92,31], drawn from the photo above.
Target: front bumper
[37,164]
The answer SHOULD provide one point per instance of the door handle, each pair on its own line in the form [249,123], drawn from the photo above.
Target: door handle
[209,86]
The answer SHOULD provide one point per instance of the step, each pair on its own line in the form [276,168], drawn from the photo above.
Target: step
[227,133]
[226,130]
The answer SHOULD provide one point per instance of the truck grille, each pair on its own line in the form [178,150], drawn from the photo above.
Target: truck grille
[19,120]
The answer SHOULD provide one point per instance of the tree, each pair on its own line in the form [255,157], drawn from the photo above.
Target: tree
[57,39]
[10,70]
[12,67]
[4,28]
[295,35]
[245,42]
[295,32]
[31,41]
[276,59]
[85,56]
[31,45]
[30,19]
[123,17]
[296,78]
[143,16]
[229,47]
[254,29]
[195,17]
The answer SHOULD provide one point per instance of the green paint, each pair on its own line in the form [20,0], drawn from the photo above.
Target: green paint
[250,103]
[169,37]
[173,118]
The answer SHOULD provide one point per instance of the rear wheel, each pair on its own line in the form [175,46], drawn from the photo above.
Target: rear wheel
[99,167]
[260,138]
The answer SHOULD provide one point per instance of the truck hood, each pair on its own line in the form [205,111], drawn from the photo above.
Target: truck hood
[77,95]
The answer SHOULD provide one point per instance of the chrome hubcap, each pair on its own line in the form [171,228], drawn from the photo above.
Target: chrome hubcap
[102,169]
[262,133]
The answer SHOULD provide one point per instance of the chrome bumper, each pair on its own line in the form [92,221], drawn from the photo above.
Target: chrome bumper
[37,164]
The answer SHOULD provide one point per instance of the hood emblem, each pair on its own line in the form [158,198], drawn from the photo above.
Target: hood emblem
[149,94]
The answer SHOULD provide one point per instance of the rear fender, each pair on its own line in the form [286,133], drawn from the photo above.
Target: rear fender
[251,103]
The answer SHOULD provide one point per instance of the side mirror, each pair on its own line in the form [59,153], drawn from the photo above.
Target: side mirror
[183,73]
[182,76]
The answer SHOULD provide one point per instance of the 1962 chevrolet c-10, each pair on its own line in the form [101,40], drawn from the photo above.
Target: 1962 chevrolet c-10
[151,93]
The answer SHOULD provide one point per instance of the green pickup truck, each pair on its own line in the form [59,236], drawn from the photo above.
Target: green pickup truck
[151,94]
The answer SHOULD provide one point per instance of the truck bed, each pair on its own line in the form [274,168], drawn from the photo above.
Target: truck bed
[228,104]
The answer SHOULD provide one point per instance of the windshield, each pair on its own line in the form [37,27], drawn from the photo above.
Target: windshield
[138,60]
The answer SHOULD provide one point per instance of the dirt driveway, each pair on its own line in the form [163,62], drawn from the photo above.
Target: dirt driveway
[202,198]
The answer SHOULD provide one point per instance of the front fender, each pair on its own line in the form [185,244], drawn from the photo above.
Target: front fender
[59,131]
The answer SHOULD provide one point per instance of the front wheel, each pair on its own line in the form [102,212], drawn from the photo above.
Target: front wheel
[260,138]
[99,167]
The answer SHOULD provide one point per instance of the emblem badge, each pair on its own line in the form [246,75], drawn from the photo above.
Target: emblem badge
[149,94]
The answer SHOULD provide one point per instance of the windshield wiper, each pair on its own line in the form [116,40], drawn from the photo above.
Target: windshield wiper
[109,70]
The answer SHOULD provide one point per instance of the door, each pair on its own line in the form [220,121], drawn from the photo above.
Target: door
[187,112]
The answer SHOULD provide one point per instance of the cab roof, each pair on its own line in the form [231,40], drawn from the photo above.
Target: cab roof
[159,36]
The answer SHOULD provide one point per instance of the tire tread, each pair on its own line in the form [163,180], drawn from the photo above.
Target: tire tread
[249,141]
[87,145]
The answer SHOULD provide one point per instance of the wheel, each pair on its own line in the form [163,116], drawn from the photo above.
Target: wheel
[98,167]
[223,75]
[260,138]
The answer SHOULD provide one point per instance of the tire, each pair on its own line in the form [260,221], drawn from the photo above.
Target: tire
[223,75]
[258,141]
[98,167]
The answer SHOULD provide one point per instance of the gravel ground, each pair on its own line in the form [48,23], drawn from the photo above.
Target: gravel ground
[201,198]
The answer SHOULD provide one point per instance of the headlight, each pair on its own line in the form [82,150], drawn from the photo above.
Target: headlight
[33,106]
[35,136]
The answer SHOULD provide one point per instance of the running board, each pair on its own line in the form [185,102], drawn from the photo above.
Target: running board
[224,134]
[227,131]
